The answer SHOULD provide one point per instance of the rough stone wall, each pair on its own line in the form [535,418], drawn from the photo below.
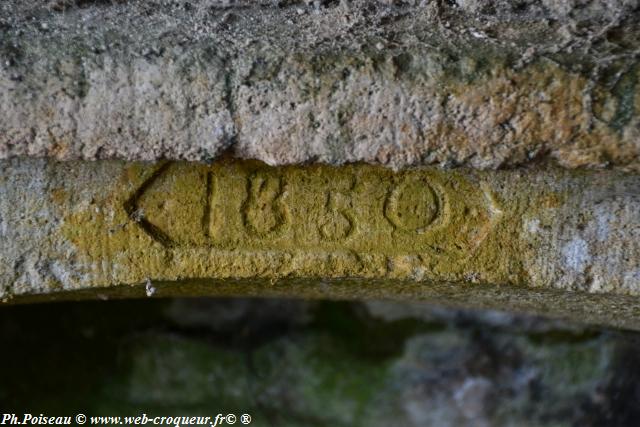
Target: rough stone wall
[486,84]
[300,363]
[521,96]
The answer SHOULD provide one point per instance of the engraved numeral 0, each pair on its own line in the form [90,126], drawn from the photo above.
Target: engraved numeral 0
[412,205]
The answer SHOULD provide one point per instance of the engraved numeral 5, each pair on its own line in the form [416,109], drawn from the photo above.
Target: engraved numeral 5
[339,223]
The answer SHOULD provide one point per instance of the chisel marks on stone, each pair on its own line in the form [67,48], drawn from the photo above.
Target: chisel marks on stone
[360,209]
[137,214]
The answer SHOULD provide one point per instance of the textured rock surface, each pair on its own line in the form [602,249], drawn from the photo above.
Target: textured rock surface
[545,240]
[291,363]
[481,84]
[478,83]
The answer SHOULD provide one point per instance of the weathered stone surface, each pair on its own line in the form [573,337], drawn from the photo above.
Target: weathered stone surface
[544,240]
[301,363]
[476,83]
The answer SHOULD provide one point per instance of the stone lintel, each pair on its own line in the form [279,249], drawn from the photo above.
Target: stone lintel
[544,240]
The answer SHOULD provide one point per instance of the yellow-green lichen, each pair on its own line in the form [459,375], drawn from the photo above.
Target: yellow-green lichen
[245,219]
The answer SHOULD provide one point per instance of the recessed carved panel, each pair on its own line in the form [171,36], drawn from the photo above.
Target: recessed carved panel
[250,206]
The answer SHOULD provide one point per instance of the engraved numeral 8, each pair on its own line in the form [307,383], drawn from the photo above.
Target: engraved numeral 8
[264,212]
